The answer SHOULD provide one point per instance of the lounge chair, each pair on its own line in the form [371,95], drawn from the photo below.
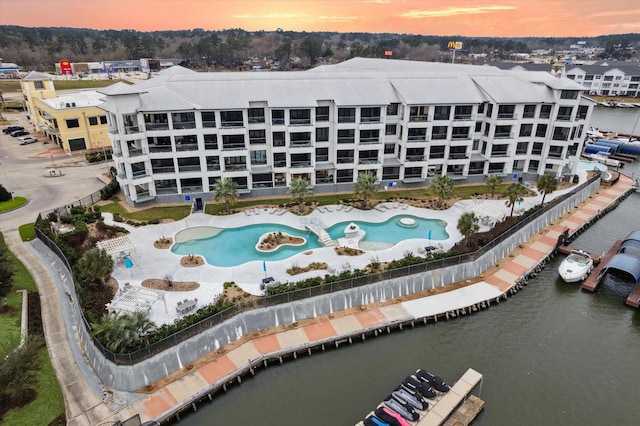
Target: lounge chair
[348,208]
[327,209]
[340,207]
[405,206]
[282,211]
[247,212]
[395,205]
[272,211]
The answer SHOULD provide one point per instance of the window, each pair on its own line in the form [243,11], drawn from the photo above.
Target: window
[392,109]
[103,119]
[561,133]
[256,115]
[346,115]
[232,142]
[93,121]
[346,136]
[277,116]
[258,157]
[231,119]
[279,139]
[322,113]
[462,112]
[541,130]
[419,113]
[442,112]
[502,132]
[72,123]
[417,135]
[564,113]
[369,136]
[506,111]
[545,111]
[537,148]
[300,117]
[437,152]
[439,133]
[569,94]
[322,155]
[344,156]
[522,147]
[38,85]
[322,134]
[481,108]
[478,126]
[279,159]
[526,129]
[300,139]
[208,119]
[183,120]
[389,148]
[210,141]
[529,111]
[582,112]
[370,115]
[390,129]
[460,133]
[156,122]
[257,137]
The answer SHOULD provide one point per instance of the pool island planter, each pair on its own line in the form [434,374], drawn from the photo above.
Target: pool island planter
[278,243]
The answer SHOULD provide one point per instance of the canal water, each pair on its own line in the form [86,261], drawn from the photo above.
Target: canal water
[550,355]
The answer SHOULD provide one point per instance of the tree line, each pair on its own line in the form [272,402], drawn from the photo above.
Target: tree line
[40,48]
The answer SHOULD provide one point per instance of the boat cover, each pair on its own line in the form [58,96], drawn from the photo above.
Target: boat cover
[625,263]
[632,240]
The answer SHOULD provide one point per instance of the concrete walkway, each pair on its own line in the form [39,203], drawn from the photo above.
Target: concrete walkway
[196,382]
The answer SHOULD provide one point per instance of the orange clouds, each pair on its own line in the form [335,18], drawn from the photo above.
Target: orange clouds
[434,17]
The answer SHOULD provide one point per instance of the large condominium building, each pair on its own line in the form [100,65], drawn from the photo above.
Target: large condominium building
[177,134]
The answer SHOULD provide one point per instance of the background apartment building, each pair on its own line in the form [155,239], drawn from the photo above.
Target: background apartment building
[405,122]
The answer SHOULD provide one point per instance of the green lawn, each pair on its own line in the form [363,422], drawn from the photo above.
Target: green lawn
[5,206]
[49,403]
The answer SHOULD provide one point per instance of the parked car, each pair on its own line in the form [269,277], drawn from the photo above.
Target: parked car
[19,133]
[26,140]
[10,129]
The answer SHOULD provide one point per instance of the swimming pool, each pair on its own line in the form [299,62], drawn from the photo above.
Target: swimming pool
[235,246]
[591,165]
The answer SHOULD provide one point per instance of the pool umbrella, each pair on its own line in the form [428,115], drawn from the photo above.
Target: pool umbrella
[128,264]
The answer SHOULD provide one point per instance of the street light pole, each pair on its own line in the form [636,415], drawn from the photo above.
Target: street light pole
[6,178]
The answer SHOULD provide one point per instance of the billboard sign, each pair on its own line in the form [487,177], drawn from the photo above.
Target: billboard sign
[457,45]
[65,68]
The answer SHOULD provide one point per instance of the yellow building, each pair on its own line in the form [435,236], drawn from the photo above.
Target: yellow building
[73,121]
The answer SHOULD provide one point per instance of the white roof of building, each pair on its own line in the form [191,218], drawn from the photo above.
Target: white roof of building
[356,82]
[82,99]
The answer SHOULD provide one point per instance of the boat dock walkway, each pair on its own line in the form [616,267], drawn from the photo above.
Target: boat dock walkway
[441,411]
[467,412]
[592,281]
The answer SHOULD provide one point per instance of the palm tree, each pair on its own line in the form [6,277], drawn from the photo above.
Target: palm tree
[468,225]
[299,190]
[493,180]
[225,190]
[120,332]
[443,187]
[365,187]
[95,265]
[515,192]
[547,184]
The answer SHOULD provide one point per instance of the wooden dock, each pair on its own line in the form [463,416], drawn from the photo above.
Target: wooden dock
[441,411]
[467,412]
[566,250]
[591,283]
[634,298]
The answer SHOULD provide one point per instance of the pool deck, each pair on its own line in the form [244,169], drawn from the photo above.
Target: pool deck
[149,262]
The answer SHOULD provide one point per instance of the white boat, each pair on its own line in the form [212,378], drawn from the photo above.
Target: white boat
[576,266]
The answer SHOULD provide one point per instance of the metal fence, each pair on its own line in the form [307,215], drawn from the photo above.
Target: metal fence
[265,301]
[65,210]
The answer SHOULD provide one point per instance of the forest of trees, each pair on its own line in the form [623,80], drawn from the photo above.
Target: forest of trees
[40,48]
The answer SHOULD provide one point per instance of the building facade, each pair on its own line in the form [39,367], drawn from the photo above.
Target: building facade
[73,121]
[177,134]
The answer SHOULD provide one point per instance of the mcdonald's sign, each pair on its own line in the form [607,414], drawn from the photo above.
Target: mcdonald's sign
[457,45]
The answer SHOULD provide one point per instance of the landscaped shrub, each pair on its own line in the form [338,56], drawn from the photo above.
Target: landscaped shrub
[4,194]
[110,190]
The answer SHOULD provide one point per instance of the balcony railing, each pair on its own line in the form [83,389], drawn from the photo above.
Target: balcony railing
[441,117]
[418,118]
[300,122]
[368,161]
[347,140]
[438,136]
[139,174]
[322,158]
[344,160]
[500,154]
[231,147]
[131,129]
[156,126]
[370,141]
[159,148]
[507,116]
[208,124]
[186,147]
[116,153]
[167,190]
[458,156]
[113,129]
[163,169]
[299,164]
[189,168]
[463,117]
[279,164]
[564,118]
[416,158]
[503,136]
[235,167]
[460,137]
[137,152]
[370,119]
[300,143]
[210,146]
[255,120]
[184,125]
[417,138]
[322,117]
[231,124]
[277,121]
[213,167]
[556,155]
[347,119]
[191,189]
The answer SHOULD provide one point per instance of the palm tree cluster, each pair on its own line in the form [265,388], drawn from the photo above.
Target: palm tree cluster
[123,332]
[225,190]
[365,187]
[299,190]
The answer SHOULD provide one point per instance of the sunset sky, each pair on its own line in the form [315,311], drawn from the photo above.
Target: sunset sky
[503,18]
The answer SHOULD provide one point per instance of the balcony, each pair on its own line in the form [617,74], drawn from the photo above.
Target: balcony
[322,158]
[113,130]
[213,167]
[368,161]
[231,124]
[186,147]
[463,117]
[503,136]
[347,140]
[279,164]
[116,154]
[159,148]
[210,146]
[131,129]
[344,160]
[277,121]
[163,170]
[191,189]
[231,147]
[507,116]
[189,168]
[151,127]
[369,141]
[417,138]
[144,196]
[184,125]
[300,144]
[165,190]
[415,158]
[300,164]
[137,152]
[208,124]
[495,154]
[563,118]
[460,137]
[418,118]
[365,120]
[458,156]
[300,122]
[235,167]
[138,174]
[347,119]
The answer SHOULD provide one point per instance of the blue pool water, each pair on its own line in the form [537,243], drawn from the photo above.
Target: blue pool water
[235,246]
[590,165]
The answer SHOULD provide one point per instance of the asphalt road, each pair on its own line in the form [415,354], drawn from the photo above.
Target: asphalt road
[24,171]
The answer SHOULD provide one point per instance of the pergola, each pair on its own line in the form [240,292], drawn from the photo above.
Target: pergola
[488,215]
[116,245]
[135,299]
